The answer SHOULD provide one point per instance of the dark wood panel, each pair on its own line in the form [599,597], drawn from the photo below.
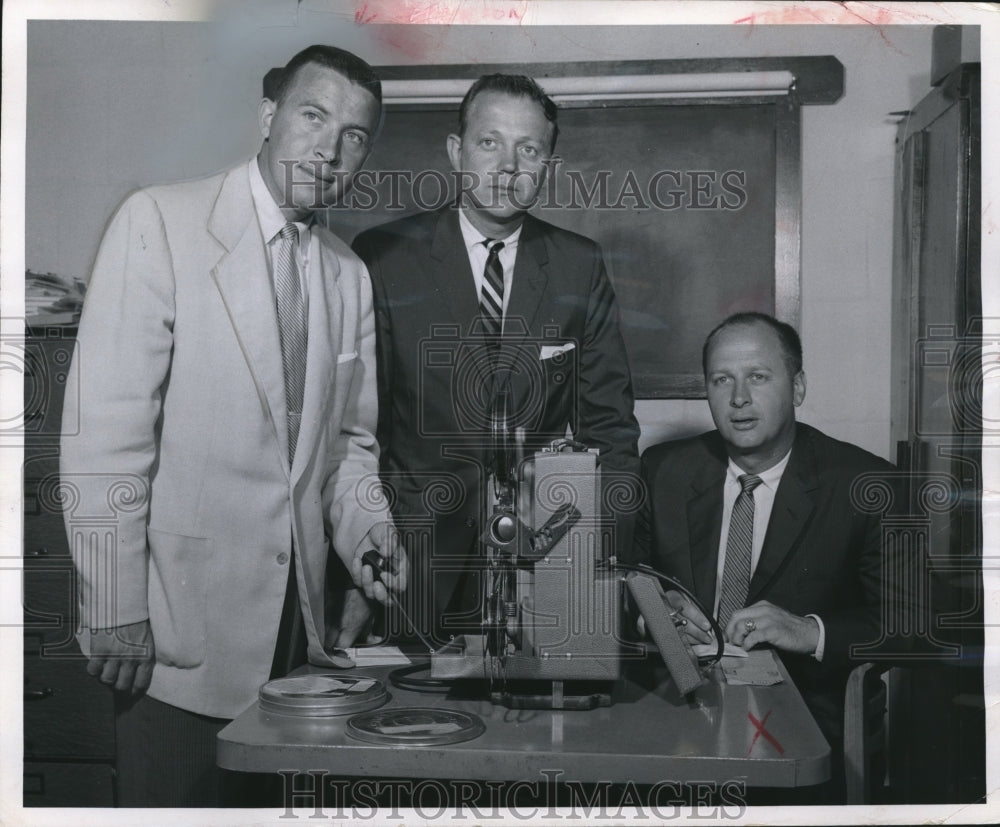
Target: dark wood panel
[49,592]
[68,785]
[67,713]
[47,361]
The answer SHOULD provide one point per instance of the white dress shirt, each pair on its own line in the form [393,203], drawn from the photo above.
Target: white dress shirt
[271,222]
[763,499]
[478,253]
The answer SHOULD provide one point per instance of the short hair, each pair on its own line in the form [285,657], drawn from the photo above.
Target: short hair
[352,67]
[270,84]
[517,85]
[788,338]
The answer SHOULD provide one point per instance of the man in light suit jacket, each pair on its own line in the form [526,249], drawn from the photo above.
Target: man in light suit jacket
[556,354]
[237,498]
[815,581]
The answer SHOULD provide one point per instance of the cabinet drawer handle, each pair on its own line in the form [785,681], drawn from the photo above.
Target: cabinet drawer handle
[38,694]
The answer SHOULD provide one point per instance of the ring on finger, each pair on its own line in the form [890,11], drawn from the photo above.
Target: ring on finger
[749,625]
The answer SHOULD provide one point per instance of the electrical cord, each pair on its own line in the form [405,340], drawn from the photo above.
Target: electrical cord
[401,679]
[642,568]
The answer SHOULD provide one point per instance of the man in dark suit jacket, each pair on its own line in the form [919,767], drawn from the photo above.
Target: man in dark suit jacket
[443,370]
[816,583]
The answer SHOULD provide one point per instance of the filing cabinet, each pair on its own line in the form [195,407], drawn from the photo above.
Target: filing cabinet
[69,742]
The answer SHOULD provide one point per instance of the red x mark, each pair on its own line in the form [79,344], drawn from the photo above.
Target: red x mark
[759,726]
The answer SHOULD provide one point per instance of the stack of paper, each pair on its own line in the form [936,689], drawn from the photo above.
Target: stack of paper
[758,669]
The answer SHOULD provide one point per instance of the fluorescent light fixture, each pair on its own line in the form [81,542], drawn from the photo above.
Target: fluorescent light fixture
[605,87]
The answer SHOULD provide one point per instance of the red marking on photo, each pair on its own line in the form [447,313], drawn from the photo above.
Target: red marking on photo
[426,12]
[759,726]
[839,13]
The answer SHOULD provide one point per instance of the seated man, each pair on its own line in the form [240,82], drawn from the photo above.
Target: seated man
[757,519]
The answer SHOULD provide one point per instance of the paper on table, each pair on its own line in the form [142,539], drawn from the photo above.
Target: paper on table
[709,650]
[377,656]
[758,669]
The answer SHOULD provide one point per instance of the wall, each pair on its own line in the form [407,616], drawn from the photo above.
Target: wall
[113,106]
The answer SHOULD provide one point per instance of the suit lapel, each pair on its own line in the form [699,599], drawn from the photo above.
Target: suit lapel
[326,307]
[526,298]
[704,515]
[793,506]
[530,279]
[453,280]
[243,279]
[452,274]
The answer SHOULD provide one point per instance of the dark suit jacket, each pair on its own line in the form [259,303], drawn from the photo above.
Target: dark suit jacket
[562,345]
[822,553]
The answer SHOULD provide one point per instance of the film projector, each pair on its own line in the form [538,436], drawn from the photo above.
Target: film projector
[553,605]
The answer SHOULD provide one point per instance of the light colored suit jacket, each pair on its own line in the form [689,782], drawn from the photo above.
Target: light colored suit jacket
[179,501]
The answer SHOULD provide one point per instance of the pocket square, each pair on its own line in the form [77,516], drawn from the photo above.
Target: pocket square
[549,351]
[346,357]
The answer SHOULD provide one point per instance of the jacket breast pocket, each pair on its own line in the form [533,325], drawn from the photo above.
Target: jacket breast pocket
[559,367]
[178,595]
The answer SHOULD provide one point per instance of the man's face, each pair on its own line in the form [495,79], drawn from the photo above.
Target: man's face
[318,137]
[502,159]
[752,395]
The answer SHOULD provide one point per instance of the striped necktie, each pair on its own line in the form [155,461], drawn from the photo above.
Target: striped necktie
[292,327]
[491,296]
[739,551]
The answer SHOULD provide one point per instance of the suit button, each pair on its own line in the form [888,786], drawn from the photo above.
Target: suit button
[470,522]
[282,559]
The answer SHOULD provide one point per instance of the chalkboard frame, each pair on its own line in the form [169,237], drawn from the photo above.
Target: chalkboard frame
[812,80]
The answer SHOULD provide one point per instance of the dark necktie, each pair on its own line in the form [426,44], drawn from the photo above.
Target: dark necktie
[739,551]
[292,327]
[491,296]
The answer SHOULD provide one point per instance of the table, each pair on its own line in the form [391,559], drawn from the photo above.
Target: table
[760,736]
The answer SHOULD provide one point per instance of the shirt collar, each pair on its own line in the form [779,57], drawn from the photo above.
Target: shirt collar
[472,236]
[771,477]
[268,215]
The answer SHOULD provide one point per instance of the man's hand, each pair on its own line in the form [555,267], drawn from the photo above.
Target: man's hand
[354,617]
[382,538]
[123,657]
[771,624]
[690,622]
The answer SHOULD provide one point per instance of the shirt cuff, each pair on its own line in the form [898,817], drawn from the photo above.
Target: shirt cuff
[821,643]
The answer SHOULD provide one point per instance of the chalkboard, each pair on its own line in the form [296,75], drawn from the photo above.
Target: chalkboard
[696,204]
[687,225]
